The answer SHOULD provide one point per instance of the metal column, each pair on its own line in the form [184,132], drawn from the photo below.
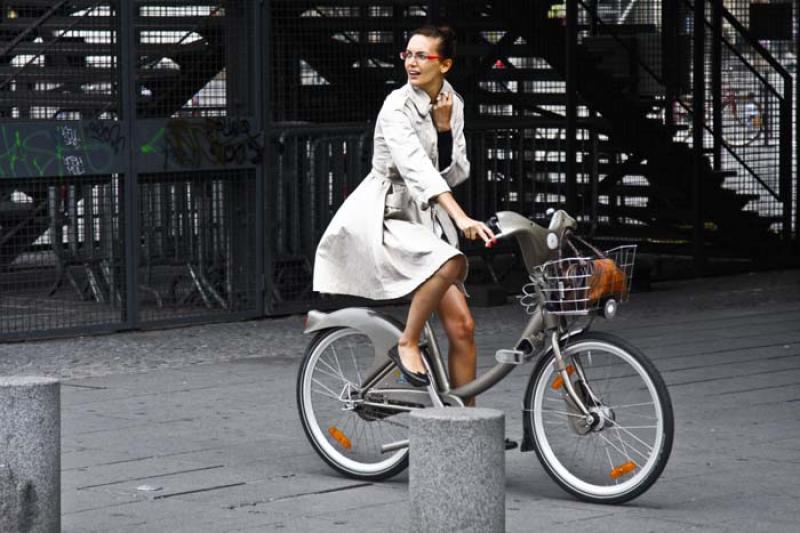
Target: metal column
[572,107]
[266,182]
[716,79]
[130,182]
[698,104]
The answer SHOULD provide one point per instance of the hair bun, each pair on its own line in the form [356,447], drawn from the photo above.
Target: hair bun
[448,33]
[445,34]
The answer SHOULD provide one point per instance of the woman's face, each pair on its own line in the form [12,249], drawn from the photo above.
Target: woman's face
[426,75]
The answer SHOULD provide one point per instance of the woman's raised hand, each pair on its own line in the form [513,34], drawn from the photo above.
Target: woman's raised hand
[442,109]
[475,229]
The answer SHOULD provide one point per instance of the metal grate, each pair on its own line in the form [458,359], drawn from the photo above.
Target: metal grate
[193,58]
[337,61]
[59,60]
[313,171]
[198,245]
[61,255]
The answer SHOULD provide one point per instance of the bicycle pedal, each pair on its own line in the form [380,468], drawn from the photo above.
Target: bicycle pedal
[509,357]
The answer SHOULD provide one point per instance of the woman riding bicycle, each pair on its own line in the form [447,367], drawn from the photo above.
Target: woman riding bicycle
[394,234]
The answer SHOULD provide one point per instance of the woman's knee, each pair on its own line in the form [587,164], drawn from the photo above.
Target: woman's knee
[460,328]
[454,269]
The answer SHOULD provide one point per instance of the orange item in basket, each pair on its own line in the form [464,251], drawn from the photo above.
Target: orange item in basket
[607,279]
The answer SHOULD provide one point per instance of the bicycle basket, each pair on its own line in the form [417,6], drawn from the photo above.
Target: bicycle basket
[580,285]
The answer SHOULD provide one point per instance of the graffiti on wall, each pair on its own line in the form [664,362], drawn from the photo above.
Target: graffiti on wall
[211,142]
[78,148]
[59,149]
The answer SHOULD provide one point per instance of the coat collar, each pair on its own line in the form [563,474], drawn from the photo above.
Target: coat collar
[421,99]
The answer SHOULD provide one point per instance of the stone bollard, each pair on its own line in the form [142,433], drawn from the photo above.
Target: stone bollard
[457,478]
[30,454]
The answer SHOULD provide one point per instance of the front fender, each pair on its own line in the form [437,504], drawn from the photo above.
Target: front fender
[382,330]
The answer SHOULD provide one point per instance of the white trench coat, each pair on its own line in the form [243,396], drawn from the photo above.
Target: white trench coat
[387,238]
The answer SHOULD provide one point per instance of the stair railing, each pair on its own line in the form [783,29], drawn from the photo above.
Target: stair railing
[41,20]
[766,178]
[147,62]
[27,31]
[740,123]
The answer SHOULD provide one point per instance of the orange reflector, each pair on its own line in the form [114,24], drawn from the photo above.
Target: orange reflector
[622,469]
[340,437]
[559,381]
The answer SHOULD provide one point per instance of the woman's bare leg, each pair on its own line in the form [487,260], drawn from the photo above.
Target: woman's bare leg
[457,321]
[425,300]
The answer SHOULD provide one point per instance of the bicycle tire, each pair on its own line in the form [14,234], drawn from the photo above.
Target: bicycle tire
[575,478]
[343,459]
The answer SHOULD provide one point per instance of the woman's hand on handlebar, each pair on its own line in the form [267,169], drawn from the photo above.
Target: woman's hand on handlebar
[475,229]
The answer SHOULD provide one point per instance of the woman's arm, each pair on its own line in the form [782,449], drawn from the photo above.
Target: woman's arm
[444,116]
[408,154]
[471,228]
[454,169]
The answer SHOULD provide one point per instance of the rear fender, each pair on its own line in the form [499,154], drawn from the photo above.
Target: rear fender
[382,330]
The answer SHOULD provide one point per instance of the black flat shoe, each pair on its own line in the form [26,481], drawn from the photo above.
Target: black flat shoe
[414,378]
[510,444]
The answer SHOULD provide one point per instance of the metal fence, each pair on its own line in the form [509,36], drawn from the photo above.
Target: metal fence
[131,165]
[167,162]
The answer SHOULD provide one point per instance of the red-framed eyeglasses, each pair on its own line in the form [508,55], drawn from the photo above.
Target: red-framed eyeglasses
[421,57]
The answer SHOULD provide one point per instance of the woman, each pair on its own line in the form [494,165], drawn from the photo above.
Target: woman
[394,234]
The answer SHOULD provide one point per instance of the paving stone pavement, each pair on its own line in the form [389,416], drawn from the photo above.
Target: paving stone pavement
[205,418]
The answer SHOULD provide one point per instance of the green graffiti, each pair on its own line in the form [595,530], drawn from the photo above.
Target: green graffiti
[17,149]
[66,149]
[150,146]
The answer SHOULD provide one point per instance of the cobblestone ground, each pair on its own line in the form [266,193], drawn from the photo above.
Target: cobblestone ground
[196,430]
[143,351]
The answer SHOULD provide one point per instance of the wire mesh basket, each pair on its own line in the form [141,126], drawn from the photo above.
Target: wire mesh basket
[581,285]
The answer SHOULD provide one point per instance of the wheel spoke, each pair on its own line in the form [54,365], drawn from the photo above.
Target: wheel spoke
[331,393]
[336,373]
[355,365]
[631,405]
[565,413]
[640,441]
[336,358]
[323,393]
[337,376]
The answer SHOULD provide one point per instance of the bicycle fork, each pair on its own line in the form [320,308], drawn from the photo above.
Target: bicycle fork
[563,370]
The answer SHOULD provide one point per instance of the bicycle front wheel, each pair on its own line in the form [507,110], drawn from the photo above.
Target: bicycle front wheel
[621,452]
[345,432]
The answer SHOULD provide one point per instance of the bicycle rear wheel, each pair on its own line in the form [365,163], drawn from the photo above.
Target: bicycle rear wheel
[624,451]
[347,434]
[742,123]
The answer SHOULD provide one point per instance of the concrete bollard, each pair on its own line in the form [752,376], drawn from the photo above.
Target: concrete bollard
[30,454]
[457,477]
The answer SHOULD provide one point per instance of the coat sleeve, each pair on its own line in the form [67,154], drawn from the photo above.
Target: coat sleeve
[458,170]
[408,154]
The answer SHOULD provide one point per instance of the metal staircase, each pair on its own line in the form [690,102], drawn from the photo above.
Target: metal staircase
[634,168]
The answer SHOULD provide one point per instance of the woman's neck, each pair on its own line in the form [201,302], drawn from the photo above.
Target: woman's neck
[434,91]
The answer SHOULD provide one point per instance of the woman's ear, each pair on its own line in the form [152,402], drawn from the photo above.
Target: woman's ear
[445,65]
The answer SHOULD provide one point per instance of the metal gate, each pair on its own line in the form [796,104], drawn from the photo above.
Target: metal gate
[131,165]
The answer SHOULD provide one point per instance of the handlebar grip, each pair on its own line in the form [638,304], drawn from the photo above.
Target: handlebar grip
[492,223]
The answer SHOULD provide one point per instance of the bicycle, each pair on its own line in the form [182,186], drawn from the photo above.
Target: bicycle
[743,118]
[596,411]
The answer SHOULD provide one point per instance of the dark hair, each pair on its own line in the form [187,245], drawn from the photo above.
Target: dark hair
[446,36]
